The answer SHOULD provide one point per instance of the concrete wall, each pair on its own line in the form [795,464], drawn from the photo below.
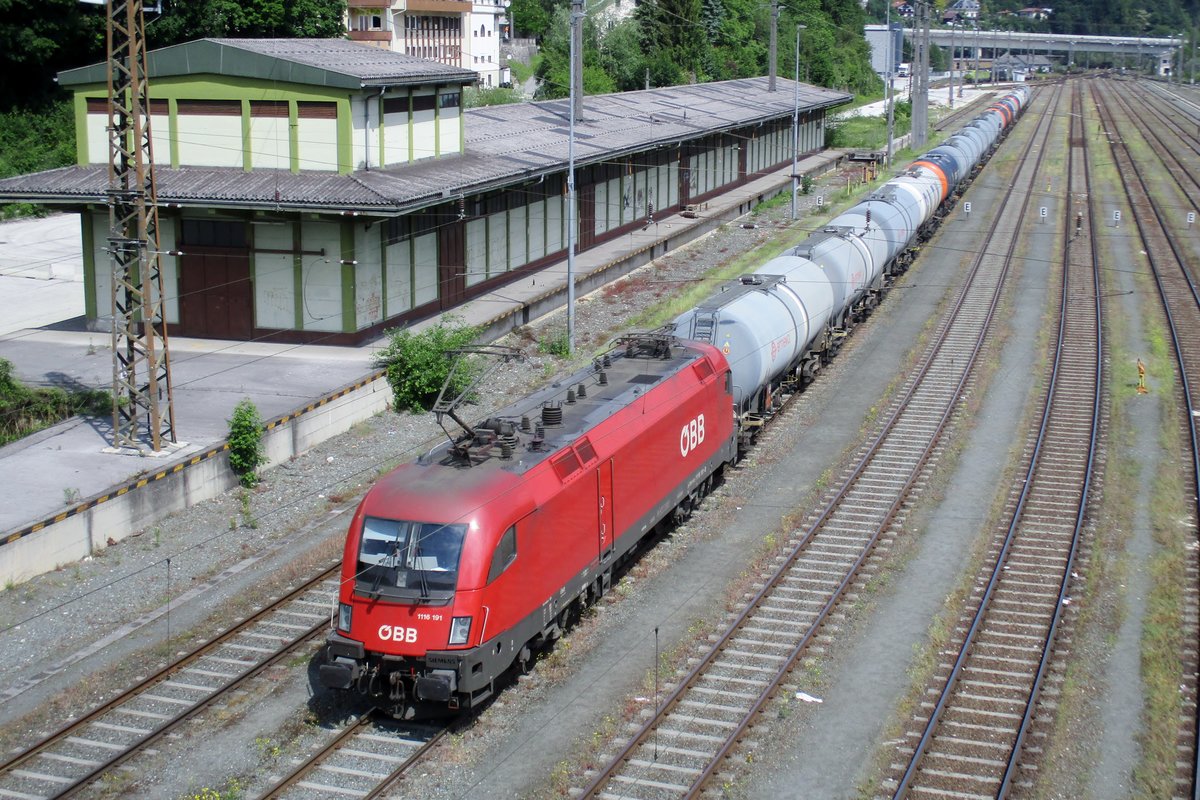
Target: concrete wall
[99,521]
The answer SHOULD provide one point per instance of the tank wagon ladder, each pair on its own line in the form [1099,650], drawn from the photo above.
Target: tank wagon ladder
[703,721]
[988,689]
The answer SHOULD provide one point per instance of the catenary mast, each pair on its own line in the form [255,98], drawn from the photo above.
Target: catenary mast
[143,412]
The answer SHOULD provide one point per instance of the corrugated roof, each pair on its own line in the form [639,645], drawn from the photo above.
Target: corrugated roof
[317,62]
[504,144]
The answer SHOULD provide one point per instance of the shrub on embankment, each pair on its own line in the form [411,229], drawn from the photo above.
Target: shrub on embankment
[25,410]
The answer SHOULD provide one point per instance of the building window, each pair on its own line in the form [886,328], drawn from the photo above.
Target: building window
[213,108]
[211,233]
[448,100]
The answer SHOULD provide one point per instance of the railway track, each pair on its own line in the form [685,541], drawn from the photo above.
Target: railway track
[968,734]
[678,751]
[1164,137]
[87,748]
[966,111]
[1181,304]
[365,759]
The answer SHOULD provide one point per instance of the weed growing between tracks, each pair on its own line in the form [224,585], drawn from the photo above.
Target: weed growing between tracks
[1073,746]
[1166,633]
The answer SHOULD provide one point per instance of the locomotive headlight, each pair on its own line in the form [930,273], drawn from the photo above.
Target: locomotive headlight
[460,630]
[343,622]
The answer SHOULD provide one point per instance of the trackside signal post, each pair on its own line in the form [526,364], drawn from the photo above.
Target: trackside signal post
[143,412]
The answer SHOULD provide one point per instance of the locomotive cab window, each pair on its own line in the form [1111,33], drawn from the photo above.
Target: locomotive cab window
[505,555]
[404,560]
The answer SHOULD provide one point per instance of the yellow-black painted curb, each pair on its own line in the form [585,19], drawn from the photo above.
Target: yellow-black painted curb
[190,461]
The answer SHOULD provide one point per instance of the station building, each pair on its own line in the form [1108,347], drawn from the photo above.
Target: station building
[325,190]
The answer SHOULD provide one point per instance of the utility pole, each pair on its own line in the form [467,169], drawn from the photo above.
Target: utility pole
[995,53]
[577,58]
[576,111]
[890,90]
[143,409]
[952,65]
[920,95]
[773,47]
[976,81]
[796,124]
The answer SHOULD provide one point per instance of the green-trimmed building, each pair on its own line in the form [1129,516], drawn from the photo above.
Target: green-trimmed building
[323,190]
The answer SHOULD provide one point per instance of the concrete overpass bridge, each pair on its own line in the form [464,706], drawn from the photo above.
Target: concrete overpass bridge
[971,45]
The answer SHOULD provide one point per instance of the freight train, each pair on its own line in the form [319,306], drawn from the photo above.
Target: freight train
[459,565]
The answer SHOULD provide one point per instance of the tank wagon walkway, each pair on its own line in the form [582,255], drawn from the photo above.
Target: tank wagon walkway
[69,494]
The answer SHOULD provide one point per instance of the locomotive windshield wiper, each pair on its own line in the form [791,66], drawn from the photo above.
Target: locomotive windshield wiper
[417,561]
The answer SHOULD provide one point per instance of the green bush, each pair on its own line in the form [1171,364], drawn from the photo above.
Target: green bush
[557,345]
[490,96]
[245,442]
[24,410]
[417,364]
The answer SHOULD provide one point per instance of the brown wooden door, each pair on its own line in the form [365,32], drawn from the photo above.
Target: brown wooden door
[452,264]
[215,300]
[587,216]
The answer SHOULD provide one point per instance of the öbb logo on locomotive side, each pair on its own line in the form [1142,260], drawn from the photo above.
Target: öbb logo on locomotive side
[397,633]
[691,436]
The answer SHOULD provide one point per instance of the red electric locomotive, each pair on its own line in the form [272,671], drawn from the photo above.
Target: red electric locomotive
[459,563]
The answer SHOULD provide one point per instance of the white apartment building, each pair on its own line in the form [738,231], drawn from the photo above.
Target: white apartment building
[458,33]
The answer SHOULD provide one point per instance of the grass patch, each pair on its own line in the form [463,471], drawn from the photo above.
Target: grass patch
[24,410]
[521,71]
[1164,628]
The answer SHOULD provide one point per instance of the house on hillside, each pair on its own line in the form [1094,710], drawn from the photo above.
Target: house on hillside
[961,11]
[1035,12]
[324,190]
[457,33]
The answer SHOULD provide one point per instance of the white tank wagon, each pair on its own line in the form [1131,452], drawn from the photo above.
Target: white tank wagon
[779,326]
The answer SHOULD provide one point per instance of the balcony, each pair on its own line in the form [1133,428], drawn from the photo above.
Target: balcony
[370,36]
[450,6]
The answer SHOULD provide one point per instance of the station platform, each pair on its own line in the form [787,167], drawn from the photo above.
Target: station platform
[69,475]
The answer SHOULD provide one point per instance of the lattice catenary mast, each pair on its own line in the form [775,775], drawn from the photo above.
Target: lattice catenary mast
[143,412]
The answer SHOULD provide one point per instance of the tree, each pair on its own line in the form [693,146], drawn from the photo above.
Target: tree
[185,20]
[530,17]
[554,71]
[621,55]
[672,32]
[38,40]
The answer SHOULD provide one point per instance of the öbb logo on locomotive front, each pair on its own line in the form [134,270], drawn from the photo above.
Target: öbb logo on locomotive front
[397,633]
